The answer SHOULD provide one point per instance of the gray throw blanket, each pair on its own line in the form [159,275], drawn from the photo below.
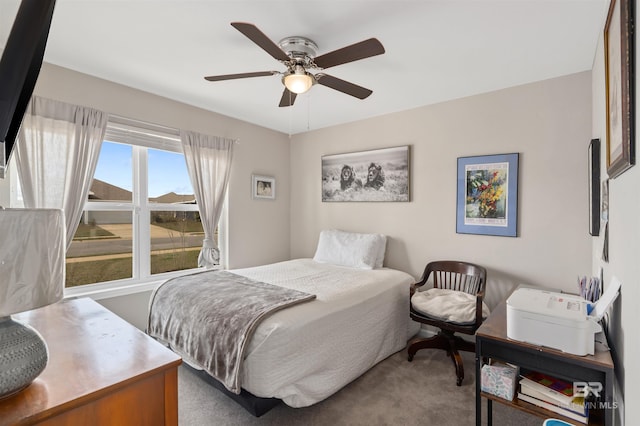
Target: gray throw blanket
[211,316]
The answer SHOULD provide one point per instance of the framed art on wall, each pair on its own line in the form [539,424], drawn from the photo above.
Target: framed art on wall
[594,187]
[263,187]
[487,196]
[619,82]
[375,175]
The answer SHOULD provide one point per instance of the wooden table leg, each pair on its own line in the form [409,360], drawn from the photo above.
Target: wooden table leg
[478,389]
[489,412]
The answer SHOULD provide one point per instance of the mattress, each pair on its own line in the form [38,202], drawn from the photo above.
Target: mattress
[305,353]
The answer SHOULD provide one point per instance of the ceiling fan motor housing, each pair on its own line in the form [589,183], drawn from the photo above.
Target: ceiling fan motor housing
[300,49]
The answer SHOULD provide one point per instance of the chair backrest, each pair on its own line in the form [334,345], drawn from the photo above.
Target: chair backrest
[456,275]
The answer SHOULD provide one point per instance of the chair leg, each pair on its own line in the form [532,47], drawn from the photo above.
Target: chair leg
[457,361]
[449,342]
[457,343]
[452,351]
[436,342]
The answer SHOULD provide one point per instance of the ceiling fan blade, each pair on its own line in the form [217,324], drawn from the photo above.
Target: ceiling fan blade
[288,98]
[258,37]
[343,86]
[243,75]
[354,52]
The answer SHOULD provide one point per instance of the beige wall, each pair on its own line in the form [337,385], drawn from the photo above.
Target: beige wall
[260,229]
[547,122]
[624,249]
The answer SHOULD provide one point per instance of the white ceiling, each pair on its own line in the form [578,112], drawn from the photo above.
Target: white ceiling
[435,50]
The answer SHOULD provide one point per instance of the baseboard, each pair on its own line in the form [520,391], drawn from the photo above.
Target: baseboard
[428,331]
[618,401]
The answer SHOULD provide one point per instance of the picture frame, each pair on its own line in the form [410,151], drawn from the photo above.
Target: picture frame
[619,81]
[263,187]
[594,187]
[371,176]
[487,195]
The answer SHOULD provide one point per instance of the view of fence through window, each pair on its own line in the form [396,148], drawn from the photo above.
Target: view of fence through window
[103,246]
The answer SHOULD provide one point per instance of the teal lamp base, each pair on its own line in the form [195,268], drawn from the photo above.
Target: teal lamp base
[23,356]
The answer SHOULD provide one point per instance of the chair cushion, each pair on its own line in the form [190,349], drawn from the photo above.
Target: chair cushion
[448,305]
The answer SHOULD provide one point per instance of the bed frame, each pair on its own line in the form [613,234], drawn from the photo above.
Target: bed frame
[255,405]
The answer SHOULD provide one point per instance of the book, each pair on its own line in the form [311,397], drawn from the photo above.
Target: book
[577,404]
[553,407]
[558,390]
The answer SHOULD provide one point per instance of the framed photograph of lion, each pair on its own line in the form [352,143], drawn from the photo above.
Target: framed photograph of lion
[375,175]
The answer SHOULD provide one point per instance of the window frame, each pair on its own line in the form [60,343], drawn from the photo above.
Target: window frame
[147,136]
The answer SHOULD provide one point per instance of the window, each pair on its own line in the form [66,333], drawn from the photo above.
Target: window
[141,218]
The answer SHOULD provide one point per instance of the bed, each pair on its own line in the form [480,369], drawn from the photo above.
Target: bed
[306,352]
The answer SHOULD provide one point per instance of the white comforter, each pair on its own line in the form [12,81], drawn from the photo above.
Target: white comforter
[305,353]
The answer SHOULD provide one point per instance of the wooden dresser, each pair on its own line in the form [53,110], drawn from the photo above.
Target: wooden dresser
[101,371]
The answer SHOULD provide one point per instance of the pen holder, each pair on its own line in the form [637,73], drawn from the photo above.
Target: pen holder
[589,288]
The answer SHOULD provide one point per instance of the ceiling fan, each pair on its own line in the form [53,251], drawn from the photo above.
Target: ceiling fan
[298,55]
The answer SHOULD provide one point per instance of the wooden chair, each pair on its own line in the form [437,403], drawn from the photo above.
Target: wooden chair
[452,275]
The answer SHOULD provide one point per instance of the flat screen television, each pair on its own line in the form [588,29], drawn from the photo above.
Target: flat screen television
[19,69]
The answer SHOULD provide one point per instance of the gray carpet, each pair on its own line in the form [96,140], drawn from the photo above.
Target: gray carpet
[394,392]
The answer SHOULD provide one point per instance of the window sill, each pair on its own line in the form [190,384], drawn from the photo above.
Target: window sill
[108,290]
[112,291]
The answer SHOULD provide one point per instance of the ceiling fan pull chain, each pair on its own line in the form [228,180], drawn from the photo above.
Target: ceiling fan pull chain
[308,111]
[290,117]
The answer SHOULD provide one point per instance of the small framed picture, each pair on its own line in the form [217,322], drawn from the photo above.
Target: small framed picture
[263,187]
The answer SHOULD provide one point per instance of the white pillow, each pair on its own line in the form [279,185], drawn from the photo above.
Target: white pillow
[448,305]
[382,247]
[363,251]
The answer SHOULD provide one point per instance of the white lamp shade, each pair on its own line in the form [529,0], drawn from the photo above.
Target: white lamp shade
[32,258]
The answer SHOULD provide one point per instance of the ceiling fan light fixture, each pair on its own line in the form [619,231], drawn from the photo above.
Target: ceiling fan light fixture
[298,81]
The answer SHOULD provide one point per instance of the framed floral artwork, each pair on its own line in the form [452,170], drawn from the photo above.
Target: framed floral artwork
[487,197]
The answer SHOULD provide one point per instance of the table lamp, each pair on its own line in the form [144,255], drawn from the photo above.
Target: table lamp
[32,254]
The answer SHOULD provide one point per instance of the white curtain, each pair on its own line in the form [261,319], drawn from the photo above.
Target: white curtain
[57,153]
[209,164]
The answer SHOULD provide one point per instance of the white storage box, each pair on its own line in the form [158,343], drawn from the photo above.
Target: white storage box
[555,320]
